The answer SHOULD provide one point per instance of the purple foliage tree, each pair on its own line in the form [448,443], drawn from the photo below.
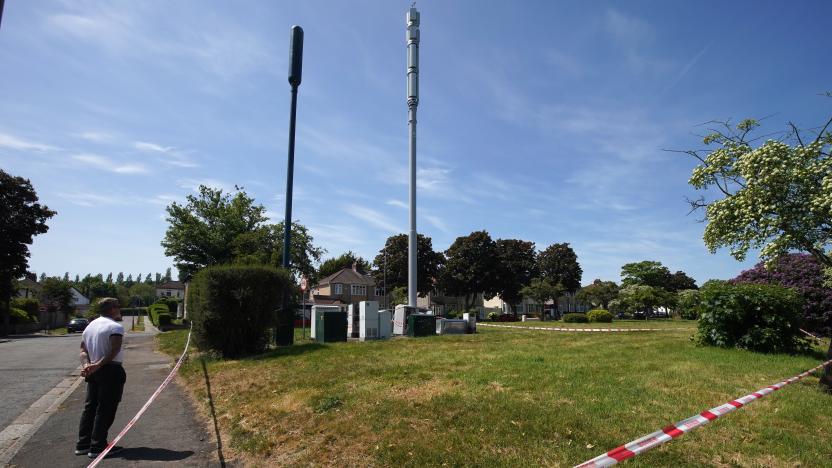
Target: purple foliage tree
[805,274]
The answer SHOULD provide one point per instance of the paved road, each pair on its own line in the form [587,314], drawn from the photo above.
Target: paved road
[169,434]
[32,366]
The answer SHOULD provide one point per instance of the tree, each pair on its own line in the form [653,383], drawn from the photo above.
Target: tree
[345,260]
[774,195]
[643,298]
[541,290]
[55,294]
[391,263]
[803,273]
[42,278]
[148,279]
[109,279]
[688,304]
[66,277]
[158,279]
[141,294]
[23,218]
[599,293]
[120,278]
[680,281]
[471,267]
[168,277]
[77,279]
[518,265]
[203,231]
[647,273]
[398,296]
[559,265]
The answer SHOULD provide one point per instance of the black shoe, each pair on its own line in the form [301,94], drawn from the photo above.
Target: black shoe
[113,451]
[83,451]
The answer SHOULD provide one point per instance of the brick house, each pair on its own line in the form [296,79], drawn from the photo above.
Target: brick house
[344,287]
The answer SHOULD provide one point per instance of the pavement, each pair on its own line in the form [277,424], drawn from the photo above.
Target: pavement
[169,434]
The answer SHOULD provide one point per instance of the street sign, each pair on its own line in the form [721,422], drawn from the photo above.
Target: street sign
[303,284]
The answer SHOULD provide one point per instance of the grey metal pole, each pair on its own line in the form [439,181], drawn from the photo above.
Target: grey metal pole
[285,328]
[2,4]
[412,103]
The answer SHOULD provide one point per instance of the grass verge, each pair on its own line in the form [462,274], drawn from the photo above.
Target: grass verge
[661,323]
[505,397]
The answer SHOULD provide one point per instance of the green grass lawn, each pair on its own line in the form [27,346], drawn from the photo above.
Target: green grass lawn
[509,398]
[56,331]
[660,323]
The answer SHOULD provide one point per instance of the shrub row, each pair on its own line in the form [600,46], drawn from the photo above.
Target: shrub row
[159,310]
[231,307]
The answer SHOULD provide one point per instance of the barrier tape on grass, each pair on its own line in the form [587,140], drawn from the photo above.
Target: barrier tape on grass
[673,431]
[146,405]
[579,329]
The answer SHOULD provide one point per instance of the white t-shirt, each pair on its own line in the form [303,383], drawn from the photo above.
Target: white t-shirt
[97,338]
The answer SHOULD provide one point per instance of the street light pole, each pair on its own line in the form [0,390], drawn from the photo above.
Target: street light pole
[412,103]
[284,331]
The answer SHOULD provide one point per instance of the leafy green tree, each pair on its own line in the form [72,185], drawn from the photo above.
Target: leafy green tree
[202,232]
[640,297]
[391,263]
[647,273]
[141,294]
[541,290]
[167,277]
[518,265]
[472,267]
[120,278]
[398,296]
[109,279]
[264,246]
[66,277]
[688,304]
[680,281]
[148,279]
[558,264]
[599,293]
[42,278]
[345,260]
[23,217]
[55,294]
[773,195]
[77,279]
[158,280]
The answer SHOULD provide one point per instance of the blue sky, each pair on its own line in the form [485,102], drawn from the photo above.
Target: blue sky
[543,121]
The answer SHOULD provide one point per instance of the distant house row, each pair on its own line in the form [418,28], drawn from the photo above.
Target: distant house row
[350,286]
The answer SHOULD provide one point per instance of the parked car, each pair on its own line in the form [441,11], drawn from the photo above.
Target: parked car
[77,324]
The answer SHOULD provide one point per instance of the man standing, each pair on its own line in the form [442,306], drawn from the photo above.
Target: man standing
[101,357]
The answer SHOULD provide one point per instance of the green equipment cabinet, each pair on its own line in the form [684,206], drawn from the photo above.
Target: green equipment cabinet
[331,326]
[421,325]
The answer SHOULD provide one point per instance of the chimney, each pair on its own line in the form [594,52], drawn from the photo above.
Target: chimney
[355,267]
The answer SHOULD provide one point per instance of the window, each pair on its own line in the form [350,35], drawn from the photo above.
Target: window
[167,293]
[359,290]
[336,289]
[379,292]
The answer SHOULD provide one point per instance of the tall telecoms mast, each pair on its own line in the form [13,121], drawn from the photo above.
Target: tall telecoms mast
[412,103]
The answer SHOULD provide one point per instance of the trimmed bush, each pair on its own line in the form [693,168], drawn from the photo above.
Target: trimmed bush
[575,318]
[163,319]
[492,316]
[233,306]
[155,310]
[169,302]
[757,317]
[599,315]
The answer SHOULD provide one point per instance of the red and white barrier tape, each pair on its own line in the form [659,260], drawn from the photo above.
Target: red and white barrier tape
[146,405]
[579,329]
[673,431]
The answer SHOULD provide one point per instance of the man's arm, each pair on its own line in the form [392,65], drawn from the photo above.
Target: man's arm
[85,356]
[115,347]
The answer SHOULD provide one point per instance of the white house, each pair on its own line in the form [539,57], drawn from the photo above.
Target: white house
[174,289]
[79,301]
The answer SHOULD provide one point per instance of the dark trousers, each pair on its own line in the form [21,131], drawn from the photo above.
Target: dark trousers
[104,388]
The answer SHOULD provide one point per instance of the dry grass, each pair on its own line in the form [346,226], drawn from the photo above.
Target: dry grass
[510,398]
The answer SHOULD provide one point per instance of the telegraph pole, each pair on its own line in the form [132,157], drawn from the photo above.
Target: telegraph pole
[285,329]
[412,103]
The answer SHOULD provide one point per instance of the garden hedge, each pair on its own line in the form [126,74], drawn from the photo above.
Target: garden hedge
[599,315]
[233,306]
[575,318]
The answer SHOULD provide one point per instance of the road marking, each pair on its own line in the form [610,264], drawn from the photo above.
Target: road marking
[16,434]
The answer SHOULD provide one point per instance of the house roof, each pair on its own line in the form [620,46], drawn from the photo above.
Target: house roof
[347,276]
[171,285]
[326,300]
[26,283]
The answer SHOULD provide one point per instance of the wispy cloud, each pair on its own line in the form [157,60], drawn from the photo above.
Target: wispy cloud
[193,184]
[172,155]
[107,164]
[398,204]
[16,143]
[372,217]
[95,136]
[436,222]
[685,69]
[217,45]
